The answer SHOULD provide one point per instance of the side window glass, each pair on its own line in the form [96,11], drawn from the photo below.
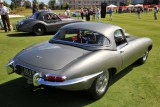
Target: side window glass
[46,17]
[119,37]
[54,17]
[50,17]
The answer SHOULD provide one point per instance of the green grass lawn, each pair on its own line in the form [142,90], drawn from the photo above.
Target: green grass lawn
[138,86]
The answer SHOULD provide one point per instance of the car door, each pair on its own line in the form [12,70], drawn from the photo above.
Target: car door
[126,50]
[53,22]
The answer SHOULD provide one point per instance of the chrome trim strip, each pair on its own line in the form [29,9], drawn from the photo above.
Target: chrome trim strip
[68,82]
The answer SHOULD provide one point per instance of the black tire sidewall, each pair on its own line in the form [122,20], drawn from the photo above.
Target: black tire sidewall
[39,26]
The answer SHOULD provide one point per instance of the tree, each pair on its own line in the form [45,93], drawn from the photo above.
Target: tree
[12,6]
[51,4]
[66,5]
[6,4]
[151,2]
[62,7]
[35,2]
[27,4]
[41,5]
[155,2]
[128,2]
[17,3]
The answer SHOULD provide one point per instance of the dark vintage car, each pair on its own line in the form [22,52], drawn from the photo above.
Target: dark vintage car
[44,21]
[81,56]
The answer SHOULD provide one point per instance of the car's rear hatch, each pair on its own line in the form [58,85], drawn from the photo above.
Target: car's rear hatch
[51,56]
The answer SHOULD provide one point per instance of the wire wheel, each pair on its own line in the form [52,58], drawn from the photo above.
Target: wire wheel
[100,85]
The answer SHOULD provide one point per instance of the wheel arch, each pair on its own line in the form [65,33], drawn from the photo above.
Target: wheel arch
[150,47]
[112,71]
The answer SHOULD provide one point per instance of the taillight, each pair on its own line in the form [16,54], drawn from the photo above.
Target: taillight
[54,78]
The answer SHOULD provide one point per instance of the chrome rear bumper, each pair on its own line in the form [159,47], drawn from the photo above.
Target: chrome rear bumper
[80,83]
[73,84]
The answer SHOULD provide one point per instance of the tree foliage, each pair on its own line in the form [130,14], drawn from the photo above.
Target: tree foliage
[6,4]
[151,2]
[41,5]
[17,3]
[66,5]
[12,6]
[27,4]
[35,2]
[155,2]
[128,2]
[51,4]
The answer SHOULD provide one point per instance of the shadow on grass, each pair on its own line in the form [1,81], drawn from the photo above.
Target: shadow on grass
[18,34]
[25,34]
[123,73]
[14,93]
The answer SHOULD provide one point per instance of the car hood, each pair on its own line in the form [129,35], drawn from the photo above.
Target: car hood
[25,21]
[50,56]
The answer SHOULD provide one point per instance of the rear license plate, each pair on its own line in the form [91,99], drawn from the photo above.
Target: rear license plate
[28,73]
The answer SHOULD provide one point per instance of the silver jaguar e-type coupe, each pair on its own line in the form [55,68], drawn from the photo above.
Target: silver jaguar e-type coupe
[81,56]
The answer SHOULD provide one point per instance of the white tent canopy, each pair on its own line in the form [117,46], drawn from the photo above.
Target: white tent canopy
[111,6]
[130,5]
[139,5]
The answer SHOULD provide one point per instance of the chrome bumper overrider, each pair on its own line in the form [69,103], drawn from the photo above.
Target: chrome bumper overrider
[10,67]
[37,80]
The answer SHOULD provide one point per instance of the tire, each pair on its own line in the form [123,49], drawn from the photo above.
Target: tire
[100,85]
[39,29]
[143,59]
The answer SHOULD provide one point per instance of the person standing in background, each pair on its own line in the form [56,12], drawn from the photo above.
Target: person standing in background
[97,14]
[68,12]
[82,13]
[4,11]
[139,12]
[34,8]
[87,13]
[93,14]
[155,13]
[111,13]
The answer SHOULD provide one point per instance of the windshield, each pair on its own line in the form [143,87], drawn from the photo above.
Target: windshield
[80,37]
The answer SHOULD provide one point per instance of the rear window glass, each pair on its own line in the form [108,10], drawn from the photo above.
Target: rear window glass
[81,37]
[35,15]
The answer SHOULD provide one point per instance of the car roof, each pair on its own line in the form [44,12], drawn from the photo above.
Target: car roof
[103,28]
[42,12]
